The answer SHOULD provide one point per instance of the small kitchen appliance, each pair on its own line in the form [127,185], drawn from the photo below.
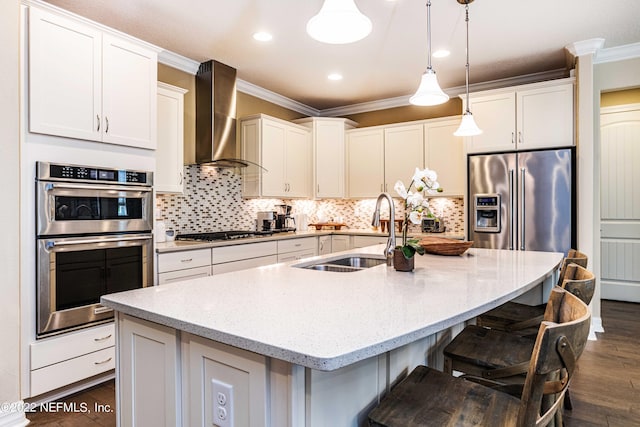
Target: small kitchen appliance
[433,225]
[284,220]
[266,221]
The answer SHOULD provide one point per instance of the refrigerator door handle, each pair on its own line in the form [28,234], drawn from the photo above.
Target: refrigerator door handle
[510,212]
[522,208]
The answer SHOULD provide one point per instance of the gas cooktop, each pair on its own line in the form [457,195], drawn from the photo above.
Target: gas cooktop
[222,235]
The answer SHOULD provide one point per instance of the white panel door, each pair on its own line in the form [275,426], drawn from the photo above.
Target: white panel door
[129,93]
[273,141]
[298,163]
[365,162]
[444,153]
[620,203]
[496,116]
[64,77]
[403,153]
[170,150]
[329,159]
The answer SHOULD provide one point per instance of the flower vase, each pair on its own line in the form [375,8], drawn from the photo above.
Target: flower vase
[400,263]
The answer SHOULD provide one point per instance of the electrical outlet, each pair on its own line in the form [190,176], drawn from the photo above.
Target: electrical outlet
[222,404]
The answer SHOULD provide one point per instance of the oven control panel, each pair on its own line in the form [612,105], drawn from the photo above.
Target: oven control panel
[56,172]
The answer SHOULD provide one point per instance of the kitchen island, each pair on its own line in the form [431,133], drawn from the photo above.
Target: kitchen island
[301,347]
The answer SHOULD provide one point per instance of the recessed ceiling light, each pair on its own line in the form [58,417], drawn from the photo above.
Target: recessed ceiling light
[441,53]
[262,36]
[334,76]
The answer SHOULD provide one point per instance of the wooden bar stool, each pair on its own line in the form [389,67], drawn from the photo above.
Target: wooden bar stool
[523,318]
[428,397]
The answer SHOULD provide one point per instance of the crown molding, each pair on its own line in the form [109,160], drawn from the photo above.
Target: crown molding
[618,53]
[178,62]
[283,101]
[585,47]
[403,101]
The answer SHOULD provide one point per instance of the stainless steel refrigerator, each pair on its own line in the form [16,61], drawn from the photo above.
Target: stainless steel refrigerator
[522,201]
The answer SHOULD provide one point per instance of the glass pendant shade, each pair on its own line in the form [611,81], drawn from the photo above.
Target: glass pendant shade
[468,126]
[429,92]
[339,22]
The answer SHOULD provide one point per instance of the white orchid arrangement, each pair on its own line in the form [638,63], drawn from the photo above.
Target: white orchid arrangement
[416,205]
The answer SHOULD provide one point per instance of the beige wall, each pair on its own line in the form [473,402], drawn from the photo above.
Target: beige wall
[9,219]
[246,106]
[407,113]
[620,97]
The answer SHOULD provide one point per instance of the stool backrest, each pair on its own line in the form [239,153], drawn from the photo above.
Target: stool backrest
[559,343]
[580,282]
[573,257]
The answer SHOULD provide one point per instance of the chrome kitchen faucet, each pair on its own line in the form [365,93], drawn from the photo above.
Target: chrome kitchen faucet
[391,241]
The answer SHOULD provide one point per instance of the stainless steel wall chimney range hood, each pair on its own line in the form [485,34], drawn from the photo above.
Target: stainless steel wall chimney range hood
[216,116]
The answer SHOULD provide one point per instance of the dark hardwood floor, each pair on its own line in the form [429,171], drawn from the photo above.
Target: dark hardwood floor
[605,390]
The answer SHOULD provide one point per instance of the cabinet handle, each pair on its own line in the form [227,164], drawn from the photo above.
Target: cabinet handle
[519,137]
[103,338]
[98,120]
[381,187]
[318,188]
[186,260]
[103,362]
[180,178]
[513,137]
[106,129]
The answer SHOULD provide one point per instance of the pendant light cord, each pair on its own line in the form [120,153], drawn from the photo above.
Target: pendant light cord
[429,34]
[466,8]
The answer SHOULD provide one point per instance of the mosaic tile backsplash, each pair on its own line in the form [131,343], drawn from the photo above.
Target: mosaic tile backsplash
[212,201]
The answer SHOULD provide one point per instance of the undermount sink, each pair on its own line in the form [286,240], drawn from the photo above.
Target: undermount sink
[344,265]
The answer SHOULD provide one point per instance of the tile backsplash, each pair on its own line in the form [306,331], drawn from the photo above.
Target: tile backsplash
[212,201]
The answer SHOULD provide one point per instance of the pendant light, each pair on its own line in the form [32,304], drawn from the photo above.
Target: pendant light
[468,126]
[339,22]
[429,92]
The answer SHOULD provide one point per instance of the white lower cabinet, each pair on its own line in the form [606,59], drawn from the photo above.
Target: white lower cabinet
[149,375]
[324,245]
[241,257]
[62,360]
[340,243]
[362,241]
[295,249]
[183,265]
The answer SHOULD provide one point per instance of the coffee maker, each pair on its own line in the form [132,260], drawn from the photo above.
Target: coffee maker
[266,221]
[284,220]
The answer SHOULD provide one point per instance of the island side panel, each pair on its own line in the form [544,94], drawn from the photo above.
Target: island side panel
[149,377]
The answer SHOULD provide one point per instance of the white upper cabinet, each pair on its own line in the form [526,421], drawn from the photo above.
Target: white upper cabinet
[170,152]
[533,116]
[403,153]
[87,84]
[365,162]
[284,150]
[444,153]
[328,155]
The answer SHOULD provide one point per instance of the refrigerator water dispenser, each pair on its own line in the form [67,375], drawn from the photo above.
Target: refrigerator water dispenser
[487,209]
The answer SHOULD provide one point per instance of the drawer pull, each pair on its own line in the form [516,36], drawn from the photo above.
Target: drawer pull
[103,362]
[103,338]
[186,260]
[297,245]
[100,310]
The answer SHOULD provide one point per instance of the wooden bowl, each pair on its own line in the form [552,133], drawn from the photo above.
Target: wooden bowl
[444,246]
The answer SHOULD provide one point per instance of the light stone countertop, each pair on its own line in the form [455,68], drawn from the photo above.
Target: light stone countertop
[184,245]
[328,320]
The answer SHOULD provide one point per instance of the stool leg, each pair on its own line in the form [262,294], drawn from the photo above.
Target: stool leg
[567,400]
[448,366]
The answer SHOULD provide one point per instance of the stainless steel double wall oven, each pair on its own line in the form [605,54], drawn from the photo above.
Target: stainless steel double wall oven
[94,237]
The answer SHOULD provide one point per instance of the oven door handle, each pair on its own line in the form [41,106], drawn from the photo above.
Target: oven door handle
[52,243]
[51,186]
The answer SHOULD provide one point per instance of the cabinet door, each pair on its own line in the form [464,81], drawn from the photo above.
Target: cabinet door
[365,162]
[148,354]
[324,245]
[340,243]
[545,117]
[444,153]
[170,151]
[273,142]
[64,77]
[329,159]
[495,115]
[129,87]
[298,163]
[403,153]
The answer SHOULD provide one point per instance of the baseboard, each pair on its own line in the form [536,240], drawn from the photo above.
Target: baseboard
[12,414]
[596,326]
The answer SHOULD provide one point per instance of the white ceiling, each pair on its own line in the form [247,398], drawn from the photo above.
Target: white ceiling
[507,38]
